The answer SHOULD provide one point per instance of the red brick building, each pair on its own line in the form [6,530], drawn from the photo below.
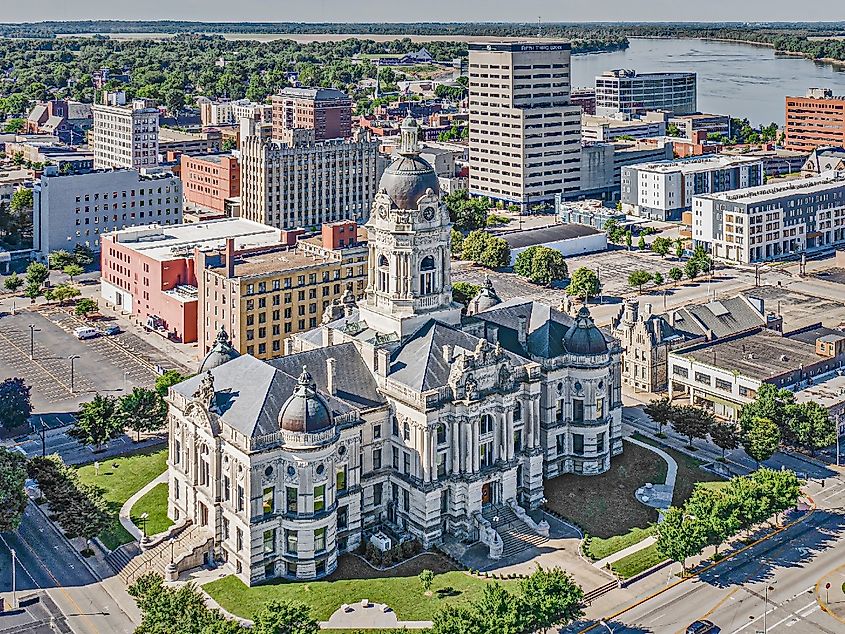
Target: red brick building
[325,110]
[817,120]
[209,180]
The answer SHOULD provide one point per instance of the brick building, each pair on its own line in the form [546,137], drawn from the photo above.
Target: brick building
[817,120]
[209,180]
[325,110]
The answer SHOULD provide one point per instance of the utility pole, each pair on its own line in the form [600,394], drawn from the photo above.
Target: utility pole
[72,358]
[32,331]
[14,586]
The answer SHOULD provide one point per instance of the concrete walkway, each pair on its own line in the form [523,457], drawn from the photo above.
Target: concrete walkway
[367,615]
[660,497]
[125,519]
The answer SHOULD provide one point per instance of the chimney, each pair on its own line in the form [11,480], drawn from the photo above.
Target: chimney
[647,310]
[381,360]
[447,353]
[230,257]
[522,330]
[331,378]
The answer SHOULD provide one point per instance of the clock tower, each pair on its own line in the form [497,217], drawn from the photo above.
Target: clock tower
[409,269]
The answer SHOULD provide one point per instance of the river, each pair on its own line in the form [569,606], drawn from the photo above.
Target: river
[742,80]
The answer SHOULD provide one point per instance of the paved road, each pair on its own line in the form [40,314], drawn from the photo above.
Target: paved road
[72,452]
[734,594]
[46,561]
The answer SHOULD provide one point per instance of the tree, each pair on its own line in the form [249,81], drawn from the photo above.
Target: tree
[37,273]
[657,278]
[166,380]
[12,495]
[541,265]
[496,254]
[13,283]
[773,403]
[672,130]
[675,274]
[716,511]
[63,292]
[584,284]
[661,245]
[761,439]
[98,421]
[812,426]
[142,410]
[467,213]
[60,259]
[32,291]
[426,578]
[660,411]
[641,243]
[725,435]
[14,125]
[692,422]
[615,233]
[85,307]
[457,620]
[456,242]
[83,255]
[639,278]
[166,610]
[679,248]
[73,270]
[680,536]
[691,269]
[500,611]
[15,403]
[628,239]
[284,617]
[550,597]
[463,292]
[473,245]
[21,200]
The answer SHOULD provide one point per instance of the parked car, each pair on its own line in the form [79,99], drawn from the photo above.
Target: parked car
[86,332]
[111,330]
[702,626]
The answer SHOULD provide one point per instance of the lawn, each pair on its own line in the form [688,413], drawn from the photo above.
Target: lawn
[353,581]
[154,504]
[597,548]
[604,505]
[119,478]
[636,562]
[689,471]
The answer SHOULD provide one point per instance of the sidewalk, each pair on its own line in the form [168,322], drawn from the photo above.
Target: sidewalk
[832,600]
[648,541]
[126,509]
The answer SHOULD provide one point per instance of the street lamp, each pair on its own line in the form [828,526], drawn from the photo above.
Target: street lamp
[609,629]
[32,331]
[72,358]
[143,519]
[14,585]
[766,608]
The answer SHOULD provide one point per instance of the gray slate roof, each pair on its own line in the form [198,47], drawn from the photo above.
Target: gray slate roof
[723,318]
[555,233]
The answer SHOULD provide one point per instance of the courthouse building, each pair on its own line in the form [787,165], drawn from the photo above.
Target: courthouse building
[396,415]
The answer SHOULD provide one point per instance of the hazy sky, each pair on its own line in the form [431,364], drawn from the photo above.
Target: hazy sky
[429,11]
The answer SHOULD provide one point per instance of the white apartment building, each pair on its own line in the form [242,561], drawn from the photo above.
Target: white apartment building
[628,91]
[72,209]
[770,222]
[665,189]
[125,135]
[611,128]
[225,112]
[301,183]
[524,132]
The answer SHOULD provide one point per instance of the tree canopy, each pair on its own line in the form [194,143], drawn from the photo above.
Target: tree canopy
[584,283]
[12,495]
[541,265]
[15,403]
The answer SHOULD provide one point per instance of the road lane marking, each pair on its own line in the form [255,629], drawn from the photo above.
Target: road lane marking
[19,563]
[722,601]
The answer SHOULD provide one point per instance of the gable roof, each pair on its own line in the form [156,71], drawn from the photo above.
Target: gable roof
[719,318]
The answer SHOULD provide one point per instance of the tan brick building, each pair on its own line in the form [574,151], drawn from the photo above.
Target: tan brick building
[817,120]
[263,298]
[325,110]
[209,180]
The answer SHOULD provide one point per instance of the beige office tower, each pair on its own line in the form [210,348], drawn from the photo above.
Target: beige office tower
[524,133]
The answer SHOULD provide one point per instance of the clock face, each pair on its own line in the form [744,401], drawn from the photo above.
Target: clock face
[428,213]
[382,212]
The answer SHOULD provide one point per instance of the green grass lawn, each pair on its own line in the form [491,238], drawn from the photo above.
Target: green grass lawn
[636,562]
[598,548]
[604,505]
[154,504]
[119,478]
[403,593]
[689,471]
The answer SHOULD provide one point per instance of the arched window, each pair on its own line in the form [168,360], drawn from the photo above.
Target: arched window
[205,466]
[517,411]
[383,274]
[486,424]
[441,434]
[406,431]
[427,275]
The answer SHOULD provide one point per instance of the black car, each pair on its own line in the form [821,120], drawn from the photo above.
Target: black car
[702,626]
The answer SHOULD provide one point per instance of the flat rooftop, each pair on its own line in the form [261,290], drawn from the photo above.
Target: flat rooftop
[544,235]
[697,164]
[827,392]
[763,193]
[613,122]
[215,157]
[760,355]
[172,241]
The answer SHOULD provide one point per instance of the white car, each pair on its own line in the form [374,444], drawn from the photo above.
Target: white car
[85,332]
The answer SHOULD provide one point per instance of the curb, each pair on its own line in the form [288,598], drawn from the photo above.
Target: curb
[822,604]
[69,543]
[698,572]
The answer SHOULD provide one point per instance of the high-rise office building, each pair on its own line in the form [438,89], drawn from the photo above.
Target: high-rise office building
[124,135]
[632,93]
[817,120]
[524,132]
[325,110]
[300,183]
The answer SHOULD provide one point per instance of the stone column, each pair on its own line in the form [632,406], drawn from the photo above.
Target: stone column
[476,467]
[455,448]
[467,466]
[535,409]
[425,450]
[509,434]
[433,452]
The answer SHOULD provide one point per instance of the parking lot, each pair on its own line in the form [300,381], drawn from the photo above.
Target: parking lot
[108,365]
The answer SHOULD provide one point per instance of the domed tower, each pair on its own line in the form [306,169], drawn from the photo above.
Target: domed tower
[220,353]
[486,298]
[409,277]
[305,418]
[584,337]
